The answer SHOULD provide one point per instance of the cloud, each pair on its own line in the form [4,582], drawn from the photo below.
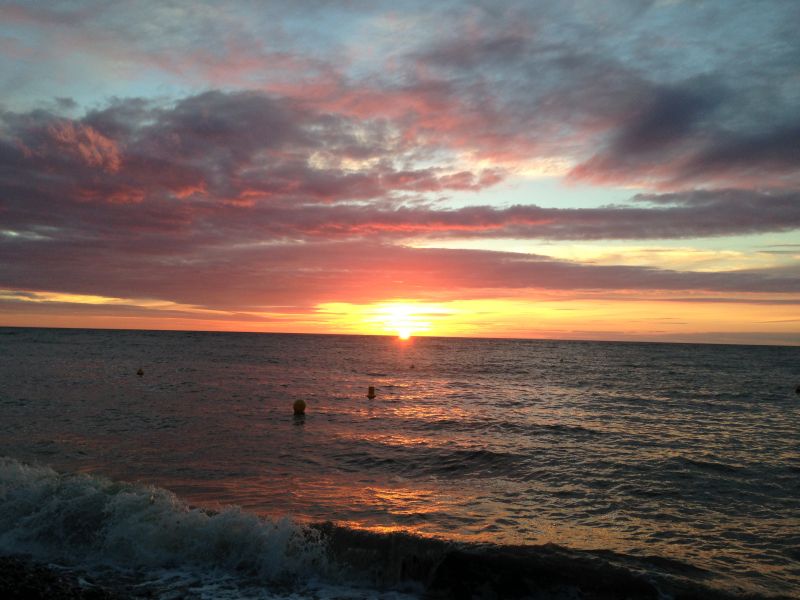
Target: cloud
[623,105]
[672,216]
[662,158]
[247,276]
[294,172]
[710,105]
[254,193]
[216,148]
[254,167]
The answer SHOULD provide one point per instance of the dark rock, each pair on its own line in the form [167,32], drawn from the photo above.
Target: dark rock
[25,579]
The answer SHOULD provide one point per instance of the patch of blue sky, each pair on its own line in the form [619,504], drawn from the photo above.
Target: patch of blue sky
[546,192]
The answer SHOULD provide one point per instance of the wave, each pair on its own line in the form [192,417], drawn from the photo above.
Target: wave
[89,521]
[409,461]
[712,463]
[500,426]
[144,540]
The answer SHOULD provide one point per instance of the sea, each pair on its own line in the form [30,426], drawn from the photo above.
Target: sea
[483,468]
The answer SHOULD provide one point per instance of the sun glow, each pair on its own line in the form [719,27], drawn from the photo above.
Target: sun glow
[404,319]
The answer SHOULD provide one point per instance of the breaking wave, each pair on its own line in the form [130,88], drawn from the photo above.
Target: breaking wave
[144,540]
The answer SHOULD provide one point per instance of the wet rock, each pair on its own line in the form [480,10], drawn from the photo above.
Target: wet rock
[24,579]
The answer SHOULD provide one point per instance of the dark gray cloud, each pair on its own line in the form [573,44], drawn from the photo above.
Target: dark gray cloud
[687,109]
[248,276]
[252,167]
[672,216]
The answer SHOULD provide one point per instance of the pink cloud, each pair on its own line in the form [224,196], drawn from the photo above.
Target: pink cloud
[233,185]
[83,141]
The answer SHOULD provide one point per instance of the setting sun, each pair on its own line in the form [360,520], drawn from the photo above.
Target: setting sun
[402,318]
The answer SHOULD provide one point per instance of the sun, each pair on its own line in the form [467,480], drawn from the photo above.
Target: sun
[402,318]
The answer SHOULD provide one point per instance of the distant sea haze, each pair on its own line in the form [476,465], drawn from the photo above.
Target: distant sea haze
[666,468]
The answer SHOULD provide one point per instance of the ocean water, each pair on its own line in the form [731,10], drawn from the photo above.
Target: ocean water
[676,464]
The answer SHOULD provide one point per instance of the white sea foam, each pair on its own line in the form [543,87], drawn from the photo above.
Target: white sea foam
[90,522]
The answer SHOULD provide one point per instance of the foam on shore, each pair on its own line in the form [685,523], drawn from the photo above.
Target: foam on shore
[144,540]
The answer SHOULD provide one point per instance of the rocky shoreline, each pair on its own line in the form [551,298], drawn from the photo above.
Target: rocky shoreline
[25,579]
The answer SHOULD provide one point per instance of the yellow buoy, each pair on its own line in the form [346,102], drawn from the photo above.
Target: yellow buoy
[299,407]
[371,392]
[140,372]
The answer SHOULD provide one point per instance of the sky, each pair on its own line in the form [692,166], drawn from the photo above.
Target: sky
[581,169]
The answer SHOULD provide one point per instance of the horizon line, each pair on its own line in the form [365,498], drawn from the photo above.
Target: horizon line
[413,336]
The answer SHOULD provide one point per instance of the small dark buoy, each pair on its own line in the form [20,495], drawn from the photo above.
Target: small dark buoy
[299,407]
[797,390]
[371,392]
[140,372]
[412,366]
